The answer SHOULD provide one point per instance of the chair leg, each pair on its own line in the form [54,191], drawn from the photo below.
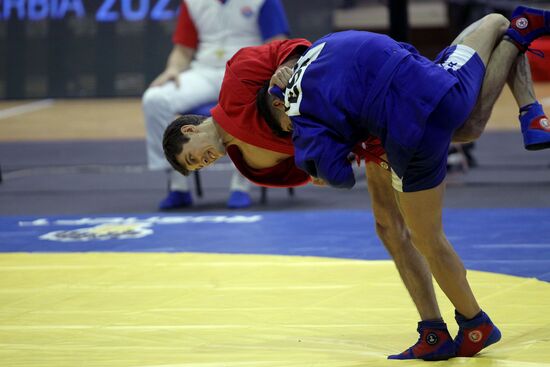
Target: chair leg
[263,198]
[198,186]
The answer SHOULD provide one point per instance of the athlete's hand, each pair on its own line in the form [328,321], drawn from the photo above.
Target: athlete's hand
[318,181]
[281,77]
[167,76]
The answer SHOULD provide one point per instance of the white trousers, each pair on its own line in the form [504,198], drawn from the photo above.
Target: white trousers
[198,86]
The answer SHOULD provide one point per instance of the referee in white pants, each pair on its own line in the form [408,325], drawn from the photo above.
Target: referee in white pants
[207,35]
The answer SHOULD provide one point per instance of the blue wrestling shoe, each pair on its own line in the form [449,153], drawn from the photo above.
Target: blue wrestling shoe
[535,127]
[176,200]
[434,344]
[239,200]
[475,334]
[528,24]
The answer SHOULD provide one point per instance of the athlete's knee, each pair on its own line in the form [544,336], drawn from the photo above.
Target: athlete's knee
[430,250]
[394,235]
[470,131]
[429,240]
[391,229]
[498,21]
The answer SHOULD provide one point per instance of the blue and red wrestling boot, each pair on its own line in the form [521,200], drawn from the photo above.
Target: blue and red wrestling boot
[535,127]
[528,24]
[434,344]
[474,334]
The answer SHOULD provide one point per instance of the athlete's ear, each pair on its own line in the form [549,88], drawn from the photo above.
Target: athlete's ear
[278,104]
[185,129]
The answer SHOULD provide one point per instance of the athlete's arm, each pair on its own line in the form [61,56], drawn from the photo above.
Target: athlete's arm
[272,21]
[277,38]
[186,40]
[320,153]
[317,181]
[178,61]
[180,58]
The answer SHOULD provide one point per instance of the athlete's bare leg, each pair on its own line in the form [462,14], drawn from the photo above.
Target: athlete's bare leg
[422,211]
[391,230]
[505,66]
[521,82]
[484,35]
[500,60]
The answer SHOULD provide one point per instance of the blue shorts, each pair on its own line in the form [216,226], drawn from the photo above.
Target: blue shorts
[428,166]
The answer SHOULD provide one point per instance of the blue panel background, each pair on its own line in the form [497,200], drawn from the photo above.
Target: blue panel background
[510,241]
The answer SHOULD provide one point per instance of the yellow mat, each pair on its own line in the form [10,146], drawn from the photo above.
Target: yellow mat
[239,310]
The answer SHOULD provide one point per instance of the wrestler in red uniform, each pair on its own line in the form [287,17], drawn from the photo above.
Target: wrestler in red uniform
[237,114]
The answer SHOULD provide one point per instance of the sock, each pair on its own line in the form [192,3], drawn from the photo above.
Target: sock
[523,110]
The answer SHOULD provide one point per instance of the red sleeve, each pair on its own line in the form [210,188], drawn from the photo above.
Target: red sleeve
[245,74]
[185,33]
[253,66]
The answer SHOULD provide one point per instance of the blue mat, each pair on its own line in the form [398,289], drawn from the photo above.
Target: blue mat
[509,241]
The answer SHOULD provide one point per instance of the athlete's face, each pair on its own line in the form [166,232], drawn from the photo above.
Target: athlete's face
[201,150]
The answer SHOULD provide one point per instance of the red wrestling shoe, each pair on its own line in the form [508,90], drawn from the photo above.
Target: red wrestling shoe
[526,25]
[434,344]
[475,334]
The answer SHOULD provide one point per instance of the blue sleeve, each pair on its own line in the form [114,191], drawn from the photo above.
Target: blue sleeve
[272,19]
[320,153]
[409,47]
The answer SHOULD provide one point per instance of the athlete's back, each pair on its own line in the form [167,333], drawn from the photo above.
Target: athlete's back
[350,85]
[335,75]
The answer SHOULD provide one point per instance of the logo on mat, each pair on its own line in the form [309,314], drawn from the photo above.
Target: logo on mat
[432,338]
[522,23]
[475,336]
[122,228]
[101,232]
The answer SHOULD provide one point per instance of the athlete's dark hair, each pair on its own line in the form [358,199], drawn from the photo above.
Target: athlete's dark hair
[174,139]
[263,104]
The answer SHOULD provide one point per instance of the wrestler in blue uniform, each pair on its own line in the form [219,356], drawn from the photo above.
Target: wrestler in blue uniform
[349,85]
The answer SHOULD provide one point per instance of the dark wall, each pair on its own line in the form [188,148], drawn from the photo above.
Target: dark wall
[103,48]
[309,19]
[96,48]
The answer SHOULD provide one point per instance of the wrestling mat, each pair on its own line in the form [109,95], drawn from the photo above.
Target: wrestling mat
[254,289]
